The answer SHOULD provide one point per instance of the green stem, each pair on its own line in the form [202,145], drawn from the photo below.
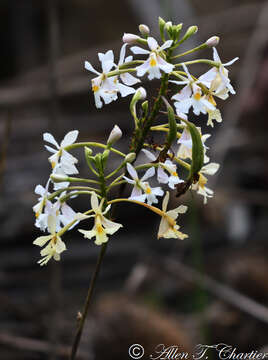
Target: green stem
[157,105]
[200,47]
[103,190]
[199,61]
[95,144]
[88,301]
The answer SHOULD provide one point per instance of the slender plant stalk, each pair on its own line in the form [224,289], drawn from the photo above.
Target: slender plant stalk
[87,302]
[136,148]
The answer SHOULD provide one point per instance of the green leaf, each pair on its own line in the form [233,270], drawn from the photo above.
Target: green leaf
[197,150]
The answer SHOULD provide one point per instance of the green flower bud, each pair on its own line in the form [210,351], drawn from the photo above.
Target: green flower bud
[130,157]
[161,24]
[144,30]
[190,31]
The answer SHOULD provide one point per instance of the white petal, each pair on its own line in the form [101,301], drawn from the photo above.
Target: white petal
[132,171]
[122,54]
[136,192]
[185,93]
[142,69]
[164,65]
[60,245]
[50,138]
[87,233]
[149,173]
[183,106]
[152,43]
[125,90]
[89,67]
[162,177]
[166,45]
[129,79]
[149,155]
[231,61]
[40,190]
[210,169]
[216,55]
[139,51]
[50,149]
[94,202]
[42,240]
[69,138]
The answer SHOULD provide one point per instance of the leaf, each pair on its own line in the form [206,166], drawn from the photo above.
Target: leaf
[197,150]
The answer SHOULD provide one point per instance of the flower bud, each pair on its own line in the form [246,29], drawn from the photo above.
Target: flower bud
[114,136]
[190,31]
[88,151]
[59,178]
[130,38]
[168,25]
[213,41]
[130,157]
[143,93]
[144,29]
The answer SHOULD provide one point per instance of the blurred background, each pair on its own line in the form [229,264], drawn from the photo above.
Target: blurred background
[211,288]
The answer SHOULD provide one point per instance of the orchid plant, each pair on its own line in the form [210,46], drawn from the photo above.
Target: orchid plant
[178,163]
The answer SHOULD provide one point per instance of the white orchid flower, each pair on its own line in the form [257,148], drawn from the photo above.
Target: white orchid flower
[141,186]
[172,177]
[190,96]
[103,87]
[209,169]
[155,61]
[60,155]
[186,144]
[168,228]
[43,192]
[126,78]
[55,246]
[102,226]
[216,79]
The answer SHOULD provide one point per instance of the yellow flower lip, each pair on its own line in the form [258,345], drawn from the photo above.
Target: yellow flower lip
[95,88]
[197,96]
[153,61]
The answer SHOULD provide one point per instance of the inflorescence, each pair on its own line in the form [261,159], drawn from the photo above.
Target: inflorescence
[179,162]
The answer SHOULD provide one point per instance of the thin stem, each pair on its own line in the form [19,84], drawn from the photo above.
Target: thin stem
[200,47]
[95,144]
[88,301]
[199,61]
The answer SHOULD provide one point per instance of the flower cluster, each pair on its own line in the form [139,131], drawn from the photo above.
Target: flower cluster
[178,162]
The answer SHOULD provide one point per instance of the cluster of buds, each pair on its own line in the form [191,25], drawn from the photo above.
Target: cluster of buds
[178,163]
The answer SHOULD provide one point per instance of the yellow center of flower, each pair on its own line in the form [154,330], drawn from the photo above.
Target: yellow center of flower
[152,61]
[99,229]
[173,173]
[202,181]
[95,88]
[148,190]
[197,96]
[37,214]
[54,239]
[53,164]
